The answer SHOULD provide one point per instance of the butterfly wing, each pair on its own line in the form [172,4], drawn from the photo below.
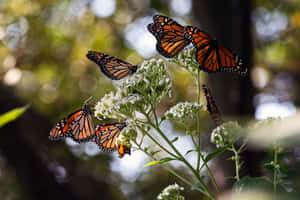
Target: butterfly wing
[112,67]
[169,35]
[123,149]
[212,106]
[57,132]
[206,54]
[230,62]
[107,135]
[211,56]
[81,128]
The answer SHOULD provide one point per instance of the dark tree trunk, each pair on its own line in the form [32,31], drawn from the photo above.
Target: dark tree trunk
[229,22]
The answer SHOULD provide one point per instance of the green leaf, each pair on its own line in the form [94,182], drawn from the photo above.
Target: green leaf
[152,163]
[163,160]
[167,159]
[215,153]
[174,140]
[189,151]
[198,186]
[12,115]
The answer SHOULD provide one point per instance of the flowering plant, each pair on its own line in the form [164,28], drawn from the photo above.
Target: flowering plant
[136,99]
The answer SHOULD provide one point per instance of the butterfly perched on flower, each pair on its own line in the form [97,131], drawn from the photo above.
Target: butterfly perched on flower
[211,56]
[112,67]
[212,106]
[169,35]
[79,125]
[106,138]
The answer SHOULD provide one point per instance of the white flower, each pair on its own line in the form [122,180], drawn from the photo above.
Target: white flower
[105,107]
[186,59]
[182,110]
[171,192]
[227,133]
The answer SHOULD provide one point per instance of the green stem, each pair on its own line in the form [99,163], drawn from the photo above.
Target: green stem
[237,159]
[198,120]
[211,175]
[275,169]
[171,170]
[156,142]
[181,158]
[199,138]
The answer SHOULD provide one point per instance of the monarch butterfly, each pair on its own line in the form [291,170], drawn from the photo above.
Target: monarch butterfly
[112,67]
[106,138]
[212,106]
[169,35]
[78,125]
[211,56]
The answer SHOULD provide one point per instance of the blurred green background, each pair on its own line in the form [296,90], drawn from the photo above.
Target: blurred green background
[42,63]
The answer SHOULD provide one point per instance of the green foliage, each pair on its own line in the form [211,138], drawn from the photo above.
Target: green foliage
[12,115]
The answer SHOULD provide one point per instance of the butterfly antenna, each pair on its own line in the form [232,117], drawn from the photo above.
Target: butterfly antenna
[88,99]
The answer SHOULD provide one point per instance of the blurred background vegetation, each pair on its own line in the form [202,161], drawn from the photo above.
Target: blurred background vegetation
[42,63]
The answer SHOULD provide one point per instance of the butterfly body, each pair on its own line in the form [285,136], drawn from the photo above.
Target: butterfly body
[112,67]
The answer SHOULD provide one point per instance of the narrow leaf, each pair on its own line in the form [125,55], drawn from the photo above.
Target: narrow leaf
[174,140]
[215,153]
[12,115]
[198,186]
[163,160]
[152,163]
[167,159]
[189,151]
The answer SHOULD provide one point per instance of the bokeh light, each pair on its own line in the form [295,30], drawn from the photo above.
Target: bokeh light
[181,7]
[139,38]
[269,24]
[274,109]
[103,8]
[12,76]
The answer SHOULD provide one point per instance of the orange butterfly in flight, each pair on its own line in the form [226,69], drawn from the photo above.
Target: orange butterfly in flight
[106,138]
[78,125]
[212,106]
[169,35]
[211,56]
[112,67]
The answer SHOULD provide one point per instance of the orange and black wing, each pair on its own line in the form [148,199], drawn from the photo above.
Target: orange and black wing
[82,126]
[78,125]
[107,134]
[230,62]
[169,35]
[58,131]
[211,56]
[212,106]
[112,67]
[123,149]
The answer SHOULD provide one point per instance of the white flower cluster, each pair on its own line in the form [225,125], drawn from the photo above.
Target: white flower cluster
[171,192]
[128,133]
[104,109]
[227,133]
[144,88]
[186,58]
[182,110]
[151,81]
